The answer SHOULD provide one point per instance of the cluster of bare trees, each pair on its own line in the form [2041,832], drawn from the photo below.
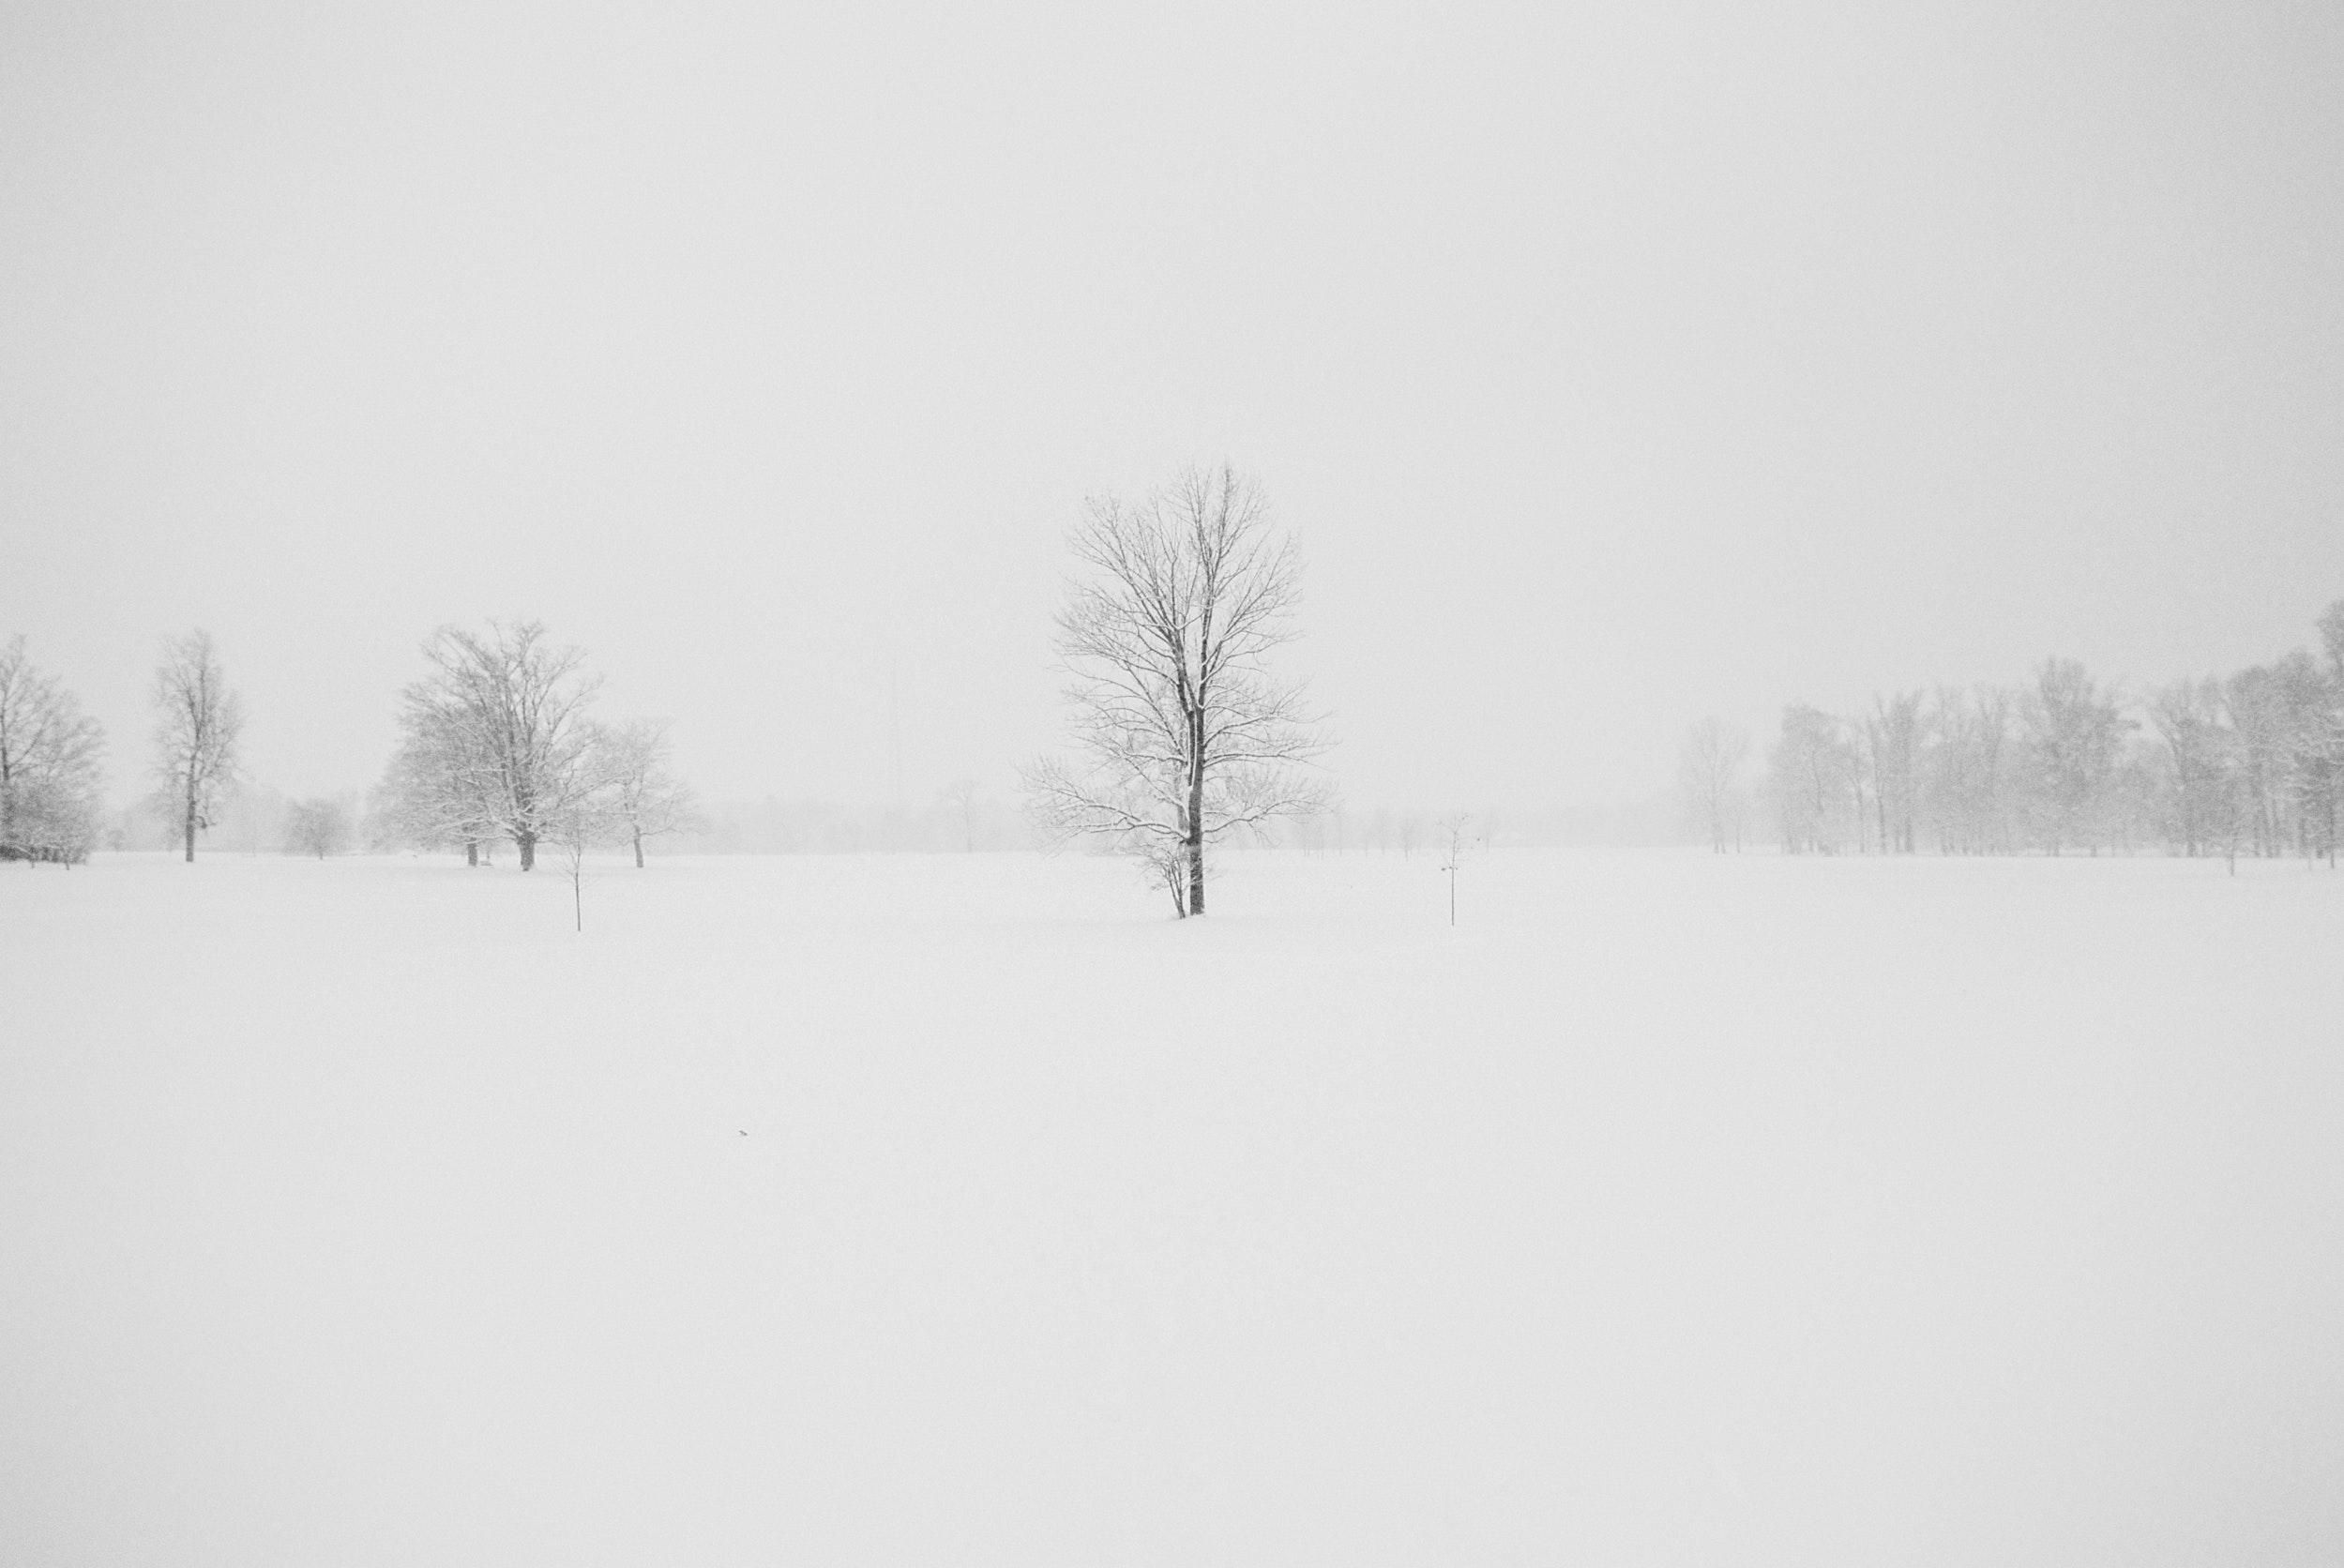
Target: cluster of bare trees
[2250,763]
[1972,773]
[497,743]
[51,782]
[2253,764]
[1185,737]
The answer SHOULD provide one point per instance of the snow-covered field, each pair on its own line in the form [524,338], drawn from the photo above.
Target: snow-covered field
[969,1210]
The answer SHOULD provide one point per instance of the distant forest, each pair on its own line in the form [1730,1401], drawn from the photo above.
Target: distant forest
[2250,763]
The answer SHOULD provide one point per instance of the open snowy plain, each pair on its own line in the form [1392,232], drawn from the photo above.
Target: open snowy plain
[969,1210]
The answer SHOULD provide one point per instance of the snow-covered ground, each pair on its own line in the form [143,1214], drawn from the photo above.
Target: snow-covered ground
[969,1210]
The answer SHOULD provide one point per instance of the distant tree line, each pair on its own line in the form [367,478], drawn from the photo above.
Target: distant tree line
[2250,763]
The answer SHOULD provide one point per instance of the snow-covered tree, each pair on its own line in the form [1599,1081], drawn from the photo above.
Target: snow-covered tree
[634,761]
[2238,806]
[2256,709]
[2197,806]
[1893,740]
[49,766]
[2307,699]
[198,722]
[1185,735]
[436,793]
[496,740]
[1813,775]
[2330,728]
[2075,736]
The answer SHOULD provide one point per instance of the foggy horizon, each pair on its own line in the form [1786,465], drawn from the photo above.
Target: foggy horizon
[1610,373]
[1057,786]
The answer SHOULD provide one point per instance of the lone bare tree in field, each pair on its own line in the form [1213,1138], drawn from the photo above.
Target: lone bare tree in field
[1185,734]
[1710,768]
[198,723]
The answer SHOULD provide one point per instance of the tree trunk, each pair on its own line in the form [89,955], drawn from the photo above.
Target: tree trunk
[191,825]
[528,842]
[1196,813]
[639,849]
[472,852]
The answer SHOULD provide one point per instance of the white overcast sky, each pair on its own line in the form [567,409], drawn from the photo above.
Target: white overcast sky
[1614,364]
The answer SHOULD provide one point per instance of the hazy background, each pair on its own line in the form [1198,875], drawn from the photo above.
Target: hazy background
[1615,367]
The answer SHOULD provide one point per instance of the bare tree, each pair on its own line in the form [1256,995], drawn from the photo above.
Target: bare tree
[1185,735]
[49,777]
[2238,805]
[2198,787]
[2205,801]
[1966,770]
[1457,842]
[499,734]
[317,826]
[2074,736]
[646,798]
[585,821]
[198,724]
[1710,768]
[2254,703]
[1893,737]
